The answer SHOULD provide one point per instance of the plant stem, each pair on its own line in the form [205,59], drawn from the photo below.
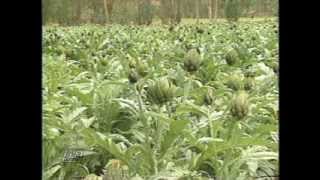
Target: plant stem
[232,129]
[211,128]
[168,109]
[187,89]
[142,117]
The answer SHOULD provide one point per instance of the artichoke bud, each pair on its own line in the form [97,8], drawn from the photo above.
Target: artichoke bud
[231,57]
[133,76]
[142,69]
[192,61]
[249,84]
[132,64]
[116,169]
[171,28]
[174,81]
[234,83]
[249,73]
[275,68]
[200,31]
[240,105]
[68,53]
[208,98]
[104,62]
[160,91]
[273,65]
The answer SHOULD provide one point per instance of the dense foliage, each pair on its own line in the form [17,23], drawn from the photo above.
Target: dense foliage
[186,102]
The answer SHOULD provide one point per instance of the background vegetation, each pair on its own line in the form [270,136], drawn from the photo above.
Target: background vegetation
[75,12]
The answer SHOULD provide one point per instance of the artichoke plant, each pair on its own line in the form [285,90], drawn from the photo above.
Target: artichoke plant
[160,91]
[133,76]
[116,170]
[208,98]
[132,64]
[192,61]
[250,72]
[234,82]
[142,69]
[275,67]
[231,57]
[199,30]
[249,83]
[240,105]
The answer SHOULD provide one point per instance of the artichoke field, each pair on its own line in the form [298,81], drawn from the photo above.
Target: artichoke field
[156,102]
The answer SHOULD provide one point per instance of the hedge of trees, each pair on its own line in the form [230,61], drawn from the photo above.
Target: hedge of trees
[74,12]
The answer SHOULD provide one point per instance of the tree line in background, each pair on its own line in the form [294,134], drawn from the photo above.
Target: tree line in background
[75,12]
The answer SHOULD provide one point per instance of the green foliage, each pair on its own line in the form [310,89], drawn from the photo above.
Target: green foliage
[170,123]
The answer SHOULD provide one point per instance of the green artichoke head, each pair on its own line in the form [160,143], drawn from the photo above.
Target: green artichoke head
[231,57]
[240,105]
[160,91]
[132,64]
[249,83]
[192,61]
[275,66]
[133,76]
[142,68]
[208,98]
[234,82]
[250,72]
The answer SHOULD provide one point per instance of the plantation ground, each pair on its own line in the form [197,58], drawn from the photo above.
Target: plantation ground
[182,102]
[186,21]
[191,21]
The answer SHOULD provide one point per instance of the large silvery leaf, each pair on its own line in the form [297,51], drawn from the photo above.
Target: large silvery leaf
[189,107]
[207,140]
[74,114]
[87,122]
[259,153]
[175,129]
[93,138]
[52,171]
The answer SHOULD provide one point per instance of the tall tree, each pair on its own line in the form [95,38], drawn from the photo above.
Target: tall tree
[77,14]
[108,7]
[178,15]
[171,11]
[145,14]
[216,7]
[210,2]
[164,11]
[197,7]
[232,10]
